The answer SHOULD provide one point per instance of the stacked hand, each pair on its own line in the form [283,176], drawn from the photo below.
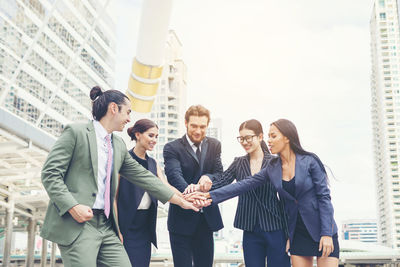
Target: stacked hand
[198,199]
[204,185]
[197,193]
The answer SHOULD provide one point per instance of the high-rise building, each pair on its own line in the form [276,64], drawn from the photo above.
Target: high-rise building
[214,129]
[170,105]
[360,230]
[385,108]
[51,54]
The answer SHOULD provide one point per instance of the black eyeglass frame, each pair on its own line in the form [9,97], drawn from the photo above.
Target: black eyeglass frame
[248,138]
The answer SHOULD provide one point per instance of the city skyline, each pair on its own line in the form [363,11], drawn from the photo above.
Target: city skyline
[306,61]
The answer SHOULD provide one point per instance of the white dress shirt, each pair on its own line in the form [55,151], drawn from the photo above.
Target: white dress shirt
[102,155]
[192,145]
[145,203]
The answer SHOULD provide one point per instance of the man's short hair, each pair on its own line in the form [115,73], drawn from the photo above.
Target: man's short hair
[197,110]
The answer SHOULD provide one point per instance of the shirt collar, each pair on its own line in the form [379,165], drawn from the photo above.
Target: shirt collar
[191,143]
[100,131]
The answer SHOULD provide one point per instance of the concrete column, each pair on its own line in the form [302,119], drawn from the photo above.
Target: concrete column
[53,254]
[30,254]
[8,232]
[43,261]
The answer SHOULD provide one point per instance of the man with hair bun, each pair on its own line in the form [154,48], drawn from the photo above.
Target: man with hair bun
[80,176]
[186,160]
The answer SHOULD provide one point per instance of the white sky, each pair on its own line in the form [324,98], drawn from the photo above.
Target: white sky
[304,60]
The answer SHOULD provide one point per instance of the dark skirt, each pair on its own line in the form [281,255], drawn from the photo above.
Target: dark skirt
[303,244]
[137,241]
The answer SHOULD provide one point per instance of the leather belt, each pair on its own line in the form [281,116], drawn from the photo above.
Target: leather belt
[98,211]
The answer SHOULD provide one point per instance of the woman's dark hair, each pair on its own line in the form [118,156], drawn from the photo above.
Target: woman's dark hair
[256,127]
[288,129]
[140,127]
[101,100]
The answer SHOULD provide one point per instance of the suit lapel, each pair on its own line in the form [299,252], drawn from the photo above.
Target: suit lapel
[189,148]
[299,182]
[115,166]
[276,179]
[91,135]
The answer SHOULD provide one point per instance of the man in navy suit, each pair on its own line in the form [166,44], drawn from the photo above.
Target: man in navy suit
[186,160]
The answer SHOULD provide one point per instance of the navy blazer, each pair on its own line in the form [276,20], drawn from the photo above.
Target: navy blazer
[129,198]
[312,199]
[183,168]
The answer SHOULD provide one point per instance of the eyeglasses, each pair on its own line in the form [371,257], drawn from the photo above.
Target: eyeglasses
[248,138]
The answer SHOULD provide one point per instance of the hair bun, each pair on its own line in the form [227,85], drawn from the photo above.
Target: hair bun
[95,92]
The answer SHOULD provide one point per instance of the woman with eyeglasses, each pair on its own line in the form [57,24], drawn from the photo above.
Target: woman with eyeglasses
[301,180]
[259,212]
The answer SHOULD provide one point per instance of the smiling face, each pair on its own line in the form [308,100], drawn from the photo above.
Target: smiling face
[254,142]
[119,115]
[148,139]
[196,128]
[277,142]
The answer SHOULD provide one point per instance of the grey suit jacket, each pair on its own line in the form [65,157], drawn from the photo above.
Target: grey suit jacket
[69,176]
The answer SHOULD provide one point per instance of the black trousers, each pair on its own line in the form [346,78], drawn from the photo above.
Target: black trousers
[193,250]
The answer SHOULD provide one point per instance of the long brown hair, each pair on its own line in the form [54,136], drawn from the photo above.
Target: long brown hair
[288,129]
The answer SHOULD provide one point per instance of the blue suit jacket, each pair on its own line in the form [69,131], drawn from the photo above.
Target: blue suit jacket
[312,199]
[129,198]
[183,168]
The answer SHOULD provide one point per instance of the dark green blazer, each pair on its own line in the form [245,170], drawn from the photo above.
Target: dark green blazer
[69,176]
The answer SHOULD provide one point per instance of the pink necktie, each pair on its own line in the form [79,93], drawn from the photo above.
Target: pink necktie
[108,178]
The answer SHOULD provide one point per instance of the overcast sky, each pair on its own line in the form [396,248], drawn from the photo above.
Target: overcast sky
[304,60]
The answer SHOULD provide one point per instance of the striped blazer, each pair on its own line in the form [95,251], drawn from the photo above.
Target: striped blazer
[260,205]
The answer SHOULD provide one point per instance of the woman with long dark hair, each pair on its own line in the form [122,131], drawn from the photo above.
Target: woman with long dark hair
[259,213]
[301,180]
[137,210]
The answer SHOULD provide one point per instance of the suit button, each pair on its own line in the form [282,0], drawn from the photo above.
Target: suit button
[93,194]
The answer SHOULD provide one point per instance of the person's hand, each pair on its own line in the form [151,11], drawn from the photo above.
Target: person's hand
[205,183]
[326,245]
[81,213]
[199,199]
[192,188]
[188,205]
[288,247]
[195,196]
[202,203]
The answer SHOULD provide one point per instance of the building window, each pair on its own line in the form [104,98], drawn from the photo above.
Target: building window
[382,16]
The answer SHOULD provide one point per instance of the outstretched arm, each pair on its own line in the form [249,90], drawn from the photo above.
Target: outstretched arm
[213,181]
[165,181]
[238,188]
[227,177]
